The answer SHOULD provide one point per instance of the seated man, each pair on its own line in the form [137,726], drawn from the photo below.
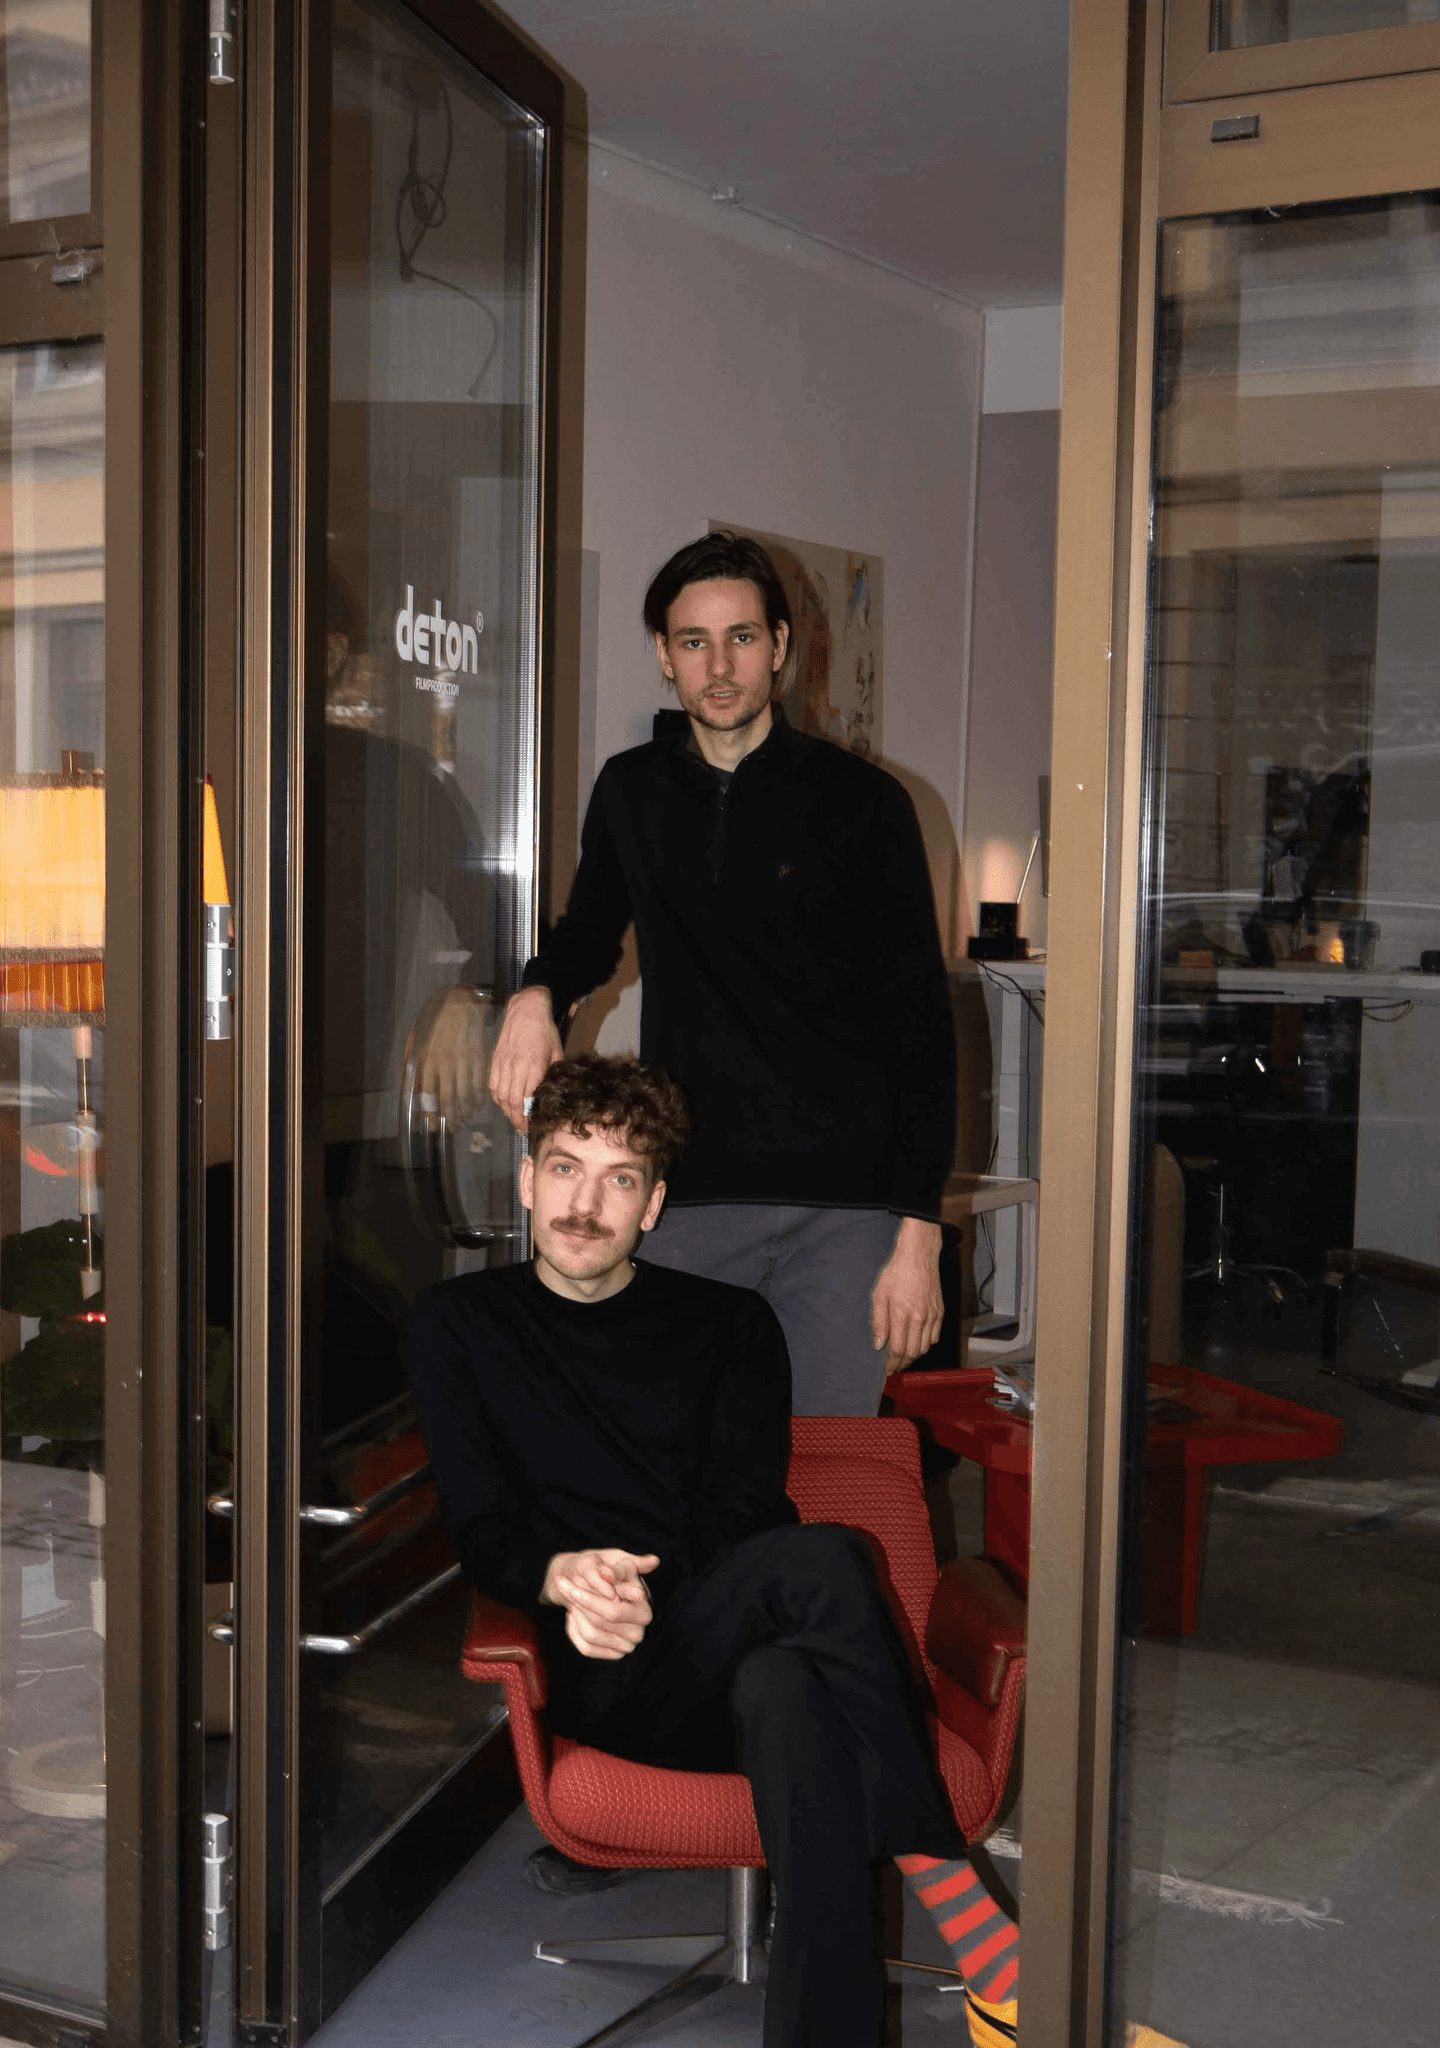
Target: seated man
[610,1441]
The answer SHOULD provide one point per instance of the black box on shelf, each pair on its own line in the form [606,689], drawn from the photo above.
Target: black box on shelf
[997,938]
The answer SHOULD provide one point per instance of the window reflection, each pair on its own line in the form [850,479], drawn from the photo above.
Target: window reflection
[430,741]
[52,1090]
[1247,24]
[44,108]
[1280,1696]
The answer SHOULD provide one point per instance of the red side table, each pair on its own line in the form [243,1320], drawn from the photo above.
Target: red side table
[1226,1425]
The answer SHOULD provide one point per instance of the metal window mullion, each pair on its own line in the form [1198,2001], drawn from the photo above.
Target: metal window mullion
[1095,787]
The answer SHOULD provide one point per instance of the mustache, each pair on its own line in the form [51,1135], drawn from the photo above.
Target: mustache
[580,1226]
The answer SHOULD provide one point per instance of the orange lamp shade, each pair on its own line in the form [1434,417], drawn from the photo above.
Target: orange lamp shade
[52,899]
[216,885]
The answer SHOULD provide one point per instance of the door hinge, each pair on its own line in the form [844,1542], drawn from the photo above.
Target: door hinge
[219,970]
[222,42]
[219,1880]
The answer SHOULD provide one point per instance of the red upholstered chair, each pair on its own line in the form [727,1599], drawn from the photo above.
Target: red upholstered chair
[965,1629]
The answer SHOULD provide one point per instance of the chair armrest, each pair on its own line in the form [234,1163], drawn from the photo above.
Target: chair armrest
[498,1634]
[976,1628]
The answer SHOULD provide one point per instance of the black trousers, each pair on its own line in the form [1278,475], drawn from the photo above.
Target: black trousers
[783,1661]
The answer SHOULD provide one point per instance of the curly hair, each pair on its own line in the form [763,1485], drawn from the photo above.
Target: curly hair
[592,1092]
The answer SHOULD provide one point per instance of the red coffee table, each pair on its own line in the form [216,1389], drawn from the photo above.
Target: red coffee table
[1227,1425]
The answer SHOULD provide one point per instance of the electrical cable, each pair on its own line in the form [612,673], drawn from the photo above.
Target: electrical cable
[984,1231]
[1004,981]
[425,194]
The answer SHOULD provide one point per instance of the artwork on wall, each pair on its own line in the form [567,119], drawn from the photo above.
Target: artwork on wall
[834,675]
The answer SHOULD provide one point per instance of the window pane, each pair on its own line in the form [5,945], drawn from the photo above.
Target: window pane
[44,108]
[1246,24]
[430,743]
[52,1094]
[1278,1824]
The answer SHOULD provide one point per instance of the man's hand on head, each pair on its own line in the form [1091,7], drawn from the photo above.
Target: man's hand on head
[607,1609]
[526,1049]
[905,1305]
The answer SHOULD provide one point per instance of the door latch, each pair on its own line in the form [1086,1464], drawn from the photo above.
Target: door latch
[219,1880]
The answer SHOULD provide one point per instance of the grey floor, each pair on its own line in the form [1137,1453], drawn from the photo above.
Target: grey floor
[1279,1851]
[465,1976]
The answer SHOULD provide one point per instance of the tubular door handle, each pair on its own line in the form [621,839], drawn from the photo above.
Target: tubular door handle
[365,1510]
[348,1646]
[223,1630]
[223,1505]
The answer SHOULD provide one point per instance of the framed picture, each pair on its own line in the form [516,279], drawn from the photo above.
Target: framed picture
[833,680]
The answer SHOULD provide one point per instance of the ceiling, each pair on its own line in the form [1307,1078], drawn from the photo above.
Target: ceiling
[927,134]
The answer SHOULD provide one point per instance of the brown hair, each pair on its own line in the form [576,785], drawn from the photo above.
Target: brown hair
[592,1092]
[716,556]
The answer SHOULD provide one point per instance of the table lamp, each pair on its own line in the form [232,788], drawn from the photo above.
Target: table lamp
[52,936]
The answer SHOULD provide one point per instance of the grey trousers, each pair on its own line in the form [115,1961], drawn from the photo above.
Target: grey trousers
[814,1266]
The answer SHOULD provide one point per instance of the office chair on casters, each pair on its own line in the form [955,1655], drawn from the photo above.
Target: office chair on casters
[1239,1082]
[965,1629]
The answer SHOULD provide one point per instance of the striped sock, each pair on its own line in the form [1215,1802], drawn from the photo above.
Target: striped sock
[984,1941]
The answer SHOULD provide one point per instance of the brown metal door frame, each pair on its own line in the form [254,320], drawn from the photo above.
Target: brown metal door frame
[1193,71]
[278,84]
[1131,163]
[153,71]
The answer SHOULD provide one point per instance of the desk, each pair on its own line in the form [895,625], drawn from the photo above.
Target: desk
[1397,1168]
[1397,1088]
[1299,981]
[1014,992]
[1227,1425]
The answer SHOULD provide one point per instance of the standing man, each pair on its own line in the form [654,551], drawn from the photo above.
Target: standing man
[793,983]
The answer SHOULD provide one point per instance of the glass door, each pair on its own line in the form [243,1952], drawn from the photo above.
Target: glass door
[52,1179]
[53,1510]
[426,910]
[1233,1726]
[423,557]
[100,1765]
[1278,1804]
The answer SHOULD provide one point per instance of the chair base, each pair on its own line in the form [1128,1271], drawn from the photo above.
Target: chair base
[728,1958]
[951,1980]
[1222,1273]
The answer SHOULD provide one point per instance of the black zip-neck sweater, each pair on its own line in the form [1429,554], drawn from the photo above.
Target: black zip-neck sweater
[793,977]
[655,1420]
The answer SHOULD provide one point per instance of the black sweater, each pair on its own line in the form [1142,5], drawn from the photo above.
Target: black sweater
[793,977]
[656,1420]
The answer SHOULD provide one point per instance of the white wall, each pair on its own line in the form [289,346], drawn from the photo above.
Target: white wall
[1012,660]
[738,371]
[1022,358]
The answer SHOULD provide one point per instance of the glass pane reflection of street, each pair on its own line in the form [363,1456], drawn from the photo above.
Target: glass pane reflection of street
[52,1091]
[1277,1859]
